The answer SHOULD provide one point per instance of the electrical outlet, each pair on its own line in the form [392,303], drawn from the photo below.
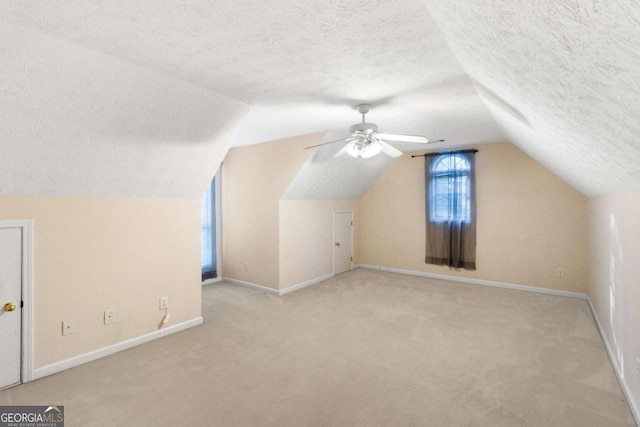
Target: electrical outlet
[559,272]
[246,266]
[164,303]
[68,326]
[638,368]
[109,316]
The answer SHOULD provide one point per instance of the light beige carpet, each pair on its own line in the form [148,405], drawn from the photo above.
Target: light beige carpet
[366,348]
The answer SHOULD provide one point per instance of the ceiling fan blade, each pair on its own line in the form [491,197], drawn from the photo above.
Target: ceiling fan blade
[404,138]
[388,148]
[327,143]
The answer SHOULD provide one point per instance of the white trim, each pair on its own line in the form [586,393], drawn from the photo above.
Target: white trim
[305,284]
[478,281]
[210,281]
[218,219]
[27,301]
[614,363]
[26,362]
[251,286]
[280,292]
[115,348]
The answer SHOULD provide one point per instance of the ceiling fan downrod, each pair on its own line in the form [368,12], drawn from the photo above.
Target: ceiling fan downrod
[363,109]
[364,127]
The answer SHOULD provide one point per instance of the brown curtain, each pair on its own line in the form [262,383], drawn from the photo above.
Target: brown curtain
[451,209]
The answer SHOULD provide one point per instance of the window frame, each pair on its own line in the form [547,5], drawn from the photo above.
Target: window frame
[217,215]
[452,172]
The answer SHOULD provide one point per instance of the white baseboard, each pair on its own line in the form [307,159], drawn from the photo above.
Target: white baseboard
[210,281]
[276,291]
[412,273]
[477,281]
[614,363]
[115,348]
[305,284]
[251,285]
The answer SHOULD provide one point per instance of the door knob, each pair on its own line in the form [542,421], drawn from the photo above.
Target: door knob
[9,306]
[337,243]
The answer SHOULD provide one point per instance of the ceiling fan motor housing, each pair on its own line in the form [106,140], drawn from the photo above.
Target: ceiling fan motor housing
[365,128]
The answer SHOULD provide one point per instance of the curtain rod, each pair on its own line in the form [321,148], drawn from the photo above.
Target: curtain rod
[444,152]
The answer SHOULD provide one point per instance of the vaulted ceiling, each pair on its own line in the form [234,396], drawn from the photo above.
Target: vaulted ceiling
[562,79]
[187,79]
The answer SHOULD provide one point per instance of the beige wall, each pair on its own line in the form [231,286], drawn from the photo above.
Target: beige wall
[96,254]
[306,238]
[529,221]
[614,287]
[253,180]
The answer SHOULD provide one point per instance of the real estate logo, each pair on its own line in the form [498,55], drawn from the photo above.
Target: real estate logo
[31,416]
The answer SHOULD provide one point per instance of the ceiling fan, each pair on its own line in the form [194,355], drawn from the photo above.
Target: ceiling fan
[365,141]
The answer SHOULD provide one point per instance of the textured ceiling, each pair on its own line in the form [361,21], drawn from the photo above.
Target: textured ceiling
[78,123]
[324,177]
[276,51]
[558,78]
[302,65]
[562,78]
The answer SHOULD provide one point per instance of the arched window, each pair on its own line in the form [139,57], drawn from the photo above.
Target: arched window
[451,211]
[449,190]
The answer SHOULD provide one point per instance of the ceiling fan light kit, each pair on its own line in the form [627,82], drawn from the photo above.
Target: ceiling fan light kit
[365,141]
[360,149]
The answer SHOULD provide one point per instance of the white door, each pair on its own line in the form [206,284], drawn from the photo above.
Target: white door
[342,242]
[10,305]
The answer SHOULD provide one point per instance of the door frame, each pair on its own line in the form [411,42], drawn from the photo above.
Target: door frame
[26,360]
[333,249]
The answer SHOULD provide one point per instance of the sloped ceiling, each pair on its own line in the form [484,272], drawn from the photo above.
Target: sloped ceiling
[562,78]
[77,123]
[301,65]
[324,177]
[557,78]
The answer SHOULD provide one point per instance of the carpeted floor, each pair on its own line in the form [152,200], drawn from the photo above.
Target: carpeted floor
[367,348]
